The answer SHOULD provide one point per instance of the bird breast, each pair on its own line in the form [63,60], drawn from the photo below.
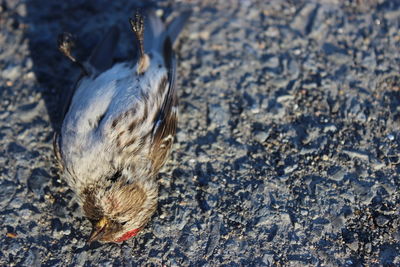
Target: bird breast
[109,117]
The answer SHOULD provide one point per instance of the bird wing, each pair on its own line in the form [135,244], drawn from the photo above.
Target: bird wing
[165,125]
[100,60]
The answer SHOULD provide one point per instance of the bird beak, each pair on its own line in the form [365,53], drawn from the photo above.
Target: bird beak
[98,230]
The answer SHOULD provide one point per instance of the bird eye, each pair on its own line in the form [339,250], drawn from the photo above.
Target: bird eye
[123,223]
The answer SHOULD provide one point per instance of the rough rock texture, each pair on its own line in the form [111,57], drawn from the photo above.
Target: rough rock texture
[288,145]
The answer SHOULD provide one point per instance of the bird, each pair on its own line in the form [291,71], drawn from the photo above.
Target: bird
[119,124]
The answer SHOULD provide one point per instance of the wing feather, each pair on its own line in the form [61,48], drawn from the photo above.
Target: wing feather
[166,122]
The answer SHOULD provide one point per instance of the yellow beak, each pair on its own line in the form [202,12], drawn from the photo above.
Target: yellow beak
[98,230]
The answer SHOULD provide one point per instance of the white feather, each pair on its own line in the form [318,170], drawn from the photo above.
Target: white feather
[85,147]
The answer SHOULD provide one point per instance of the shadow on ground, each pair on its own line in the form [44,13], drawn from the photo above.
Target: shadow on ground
[46,20]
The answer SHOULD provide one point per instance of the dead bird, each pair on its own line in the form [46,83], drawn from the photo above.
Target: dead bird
[119,126]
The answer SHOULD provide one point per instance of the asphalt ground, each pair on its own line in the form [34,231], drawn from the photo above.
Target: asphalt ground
[287,152]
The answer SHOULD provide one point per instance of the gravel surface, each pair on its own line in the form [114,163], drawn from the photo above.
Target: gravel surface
[287,151]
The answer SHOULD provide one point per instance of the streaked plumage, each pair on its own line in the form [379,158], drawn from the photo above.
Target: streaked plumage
[119,127]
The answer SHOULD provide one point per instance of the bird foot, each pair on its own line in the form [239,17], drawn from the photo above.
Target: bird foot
[137,25]
[65,44]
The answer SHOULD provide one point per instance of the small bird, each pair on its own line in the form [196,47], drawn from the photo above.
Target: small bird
[119,125]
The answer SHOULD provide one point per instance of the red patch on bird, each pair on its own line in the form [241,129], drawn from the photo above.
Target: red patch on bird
[128,235]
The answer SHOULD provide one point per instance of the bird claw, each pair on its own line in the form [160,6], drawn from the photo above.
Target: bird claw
[66,42]
[137,24]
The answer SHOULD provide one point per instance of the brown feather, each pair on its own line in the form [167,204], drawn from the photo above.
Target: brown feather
[163,139]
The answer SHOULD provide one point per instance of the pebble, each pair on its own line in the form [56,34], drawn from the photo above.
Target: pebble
[381,220]
[330,128]
[261,136]
[7,191]
[37,181]
[290,169]
[11,73]
[357,154]
[272,62]
[337,173]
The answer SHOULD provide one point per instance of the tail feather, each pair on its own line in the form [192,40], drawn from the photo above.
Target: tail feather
[177,24]
[153,30]
[156,31]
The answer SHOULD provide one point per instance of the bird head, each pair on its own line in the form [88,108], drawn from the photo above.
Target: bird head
[118,211]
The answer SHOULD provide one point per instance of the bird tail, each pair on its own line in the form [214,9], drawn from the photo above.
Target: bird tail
[176,25]
[156,32]
[155,35]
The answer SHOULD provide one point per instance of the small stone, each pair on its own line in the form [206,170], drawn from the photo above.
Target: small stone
[21,10]
[25,214]
[11,73]
[357,154]
[261,136]
[368,247]
[290,169]
[15,148]
[330,128]
[272,32]
[284,98]
[336,173]
[7,190]
[204,35]
[38,180]
[305,151]
[29,111]
[381,220]
[218,115]
[30,76]
[353,245]
[377,165]
[159,12]
[302,19]
[268,259]
[80,258]
[67,232]
[272,62]
[285,219]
